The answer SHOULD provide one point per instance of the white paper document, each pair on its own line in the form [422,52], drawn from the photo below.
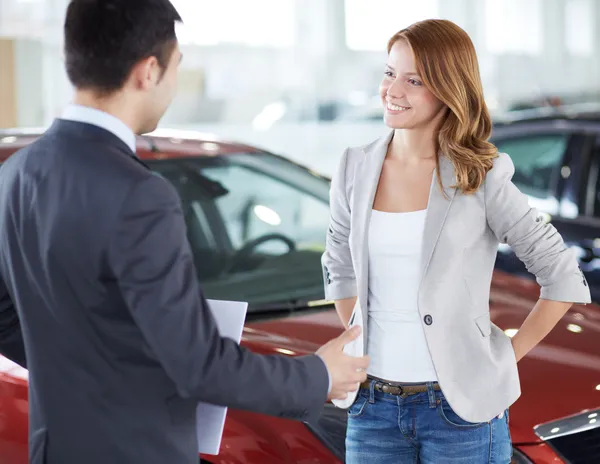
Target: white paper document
[210,419]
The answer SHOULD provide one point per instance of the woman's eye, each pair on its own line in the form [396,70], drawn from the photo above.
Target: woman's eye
[414,82]
[388,73]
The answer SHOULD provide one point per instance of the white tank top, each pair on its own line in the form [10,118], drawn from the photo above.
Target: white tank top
[396,340]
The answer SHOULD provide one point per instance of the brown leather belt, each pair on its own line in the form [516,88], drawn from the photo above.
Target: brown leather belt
[397,389]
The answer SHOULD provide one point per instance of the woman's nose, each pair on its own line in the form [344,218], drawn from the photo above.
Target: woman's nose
[395,90]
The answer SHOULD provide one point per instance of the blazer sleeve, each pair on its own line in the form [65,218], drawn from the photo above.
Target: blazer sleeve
[536,243]
[338,271]
[151,260]
[11,336]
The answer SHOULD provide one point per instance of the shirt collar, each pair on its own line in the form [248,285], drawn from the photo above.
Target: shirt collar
[85,114]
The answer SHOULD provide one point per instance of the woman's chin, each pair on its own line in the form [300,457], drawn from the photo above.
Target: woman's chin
[395,123]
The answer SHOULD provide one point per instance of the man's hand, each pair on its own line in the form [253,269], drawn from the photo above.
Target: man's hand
[347,372]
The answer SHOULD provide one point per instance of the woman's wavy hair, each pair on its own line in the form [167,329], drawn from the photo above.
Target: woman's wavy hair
[447,62]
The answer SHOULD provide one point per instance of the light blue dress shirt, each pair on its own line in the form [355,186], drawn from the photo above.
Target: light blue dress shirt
[85,114]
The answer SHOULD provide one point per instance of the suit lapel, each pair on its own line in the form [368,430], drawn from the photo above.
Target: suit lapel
[366,181]
[437,209]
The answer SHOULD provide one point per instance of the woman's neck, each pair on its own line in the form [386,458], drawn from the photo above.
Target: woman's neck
[412,145]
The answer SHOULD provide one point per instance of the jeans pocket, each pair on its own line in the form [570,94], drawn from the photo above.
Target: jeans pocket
[453,419]
[358,407]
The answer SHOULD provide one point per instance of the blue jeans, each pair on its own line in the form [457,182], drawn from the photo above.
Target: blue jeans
[421,428]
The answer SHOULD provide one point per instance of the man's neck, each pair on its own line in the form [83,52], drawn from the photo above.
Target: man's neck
[113,105]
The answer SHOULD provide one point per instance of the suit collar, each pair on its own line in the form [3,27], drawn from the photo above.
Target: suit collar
[91,132]
[378,148]
[376,152]
[372,163]
[93,116]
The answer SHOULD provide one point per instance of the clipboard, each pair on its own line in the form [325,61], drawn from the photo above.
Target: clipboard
[210,419]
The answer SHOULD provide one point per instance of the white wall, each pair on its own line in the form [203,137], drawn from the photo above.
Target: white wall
[232,83]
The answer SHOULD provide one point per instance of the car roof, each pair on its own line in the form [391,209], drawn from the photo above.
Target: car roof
[160,144]
[585,112]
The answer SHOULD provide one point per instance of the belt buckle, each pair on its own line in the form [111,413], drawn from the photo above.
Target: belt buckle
[388,386]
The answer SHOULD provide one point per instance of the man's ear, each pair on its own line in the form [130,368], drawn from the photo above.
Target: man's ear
[146,73]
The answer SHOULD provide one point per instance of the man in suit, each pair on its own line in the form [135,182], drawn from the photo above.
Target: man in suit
[98,287]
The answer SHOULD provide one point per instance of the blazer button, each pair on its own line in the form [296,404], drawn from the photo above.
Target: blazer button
[428,319]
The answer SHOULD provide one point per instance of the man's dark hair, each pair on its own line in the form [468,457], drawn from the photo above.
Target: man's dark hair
[104,39]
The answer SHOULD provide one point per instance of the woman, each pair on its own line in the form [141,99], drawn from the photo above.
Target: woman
[416,218]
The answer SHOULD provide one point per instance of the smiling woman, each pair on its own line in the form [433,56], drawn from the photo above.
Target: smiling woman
[411,263]
[434,65]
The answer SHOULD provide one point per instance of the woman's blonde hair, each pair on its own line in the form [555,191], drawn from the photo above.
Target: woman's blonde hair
[447,62]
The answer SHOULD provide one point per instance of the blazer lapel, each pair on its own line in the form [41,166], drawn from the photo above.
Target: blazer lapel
[437,209]
[366,181]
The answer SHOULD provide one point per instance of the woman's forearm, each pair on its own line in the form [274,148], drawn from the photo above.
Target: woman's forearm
[344,309]
[542,319]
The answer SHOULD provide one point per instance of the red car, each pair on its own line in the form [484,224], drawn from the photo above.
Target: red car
[257,223]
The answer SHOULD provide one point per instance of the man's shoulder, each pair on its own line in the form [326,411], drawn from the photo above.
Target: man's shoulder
[94,169]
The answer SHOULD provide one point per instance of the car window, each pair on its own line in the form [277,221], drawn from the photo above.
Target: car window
[256,225]
[259,205]
[537,160]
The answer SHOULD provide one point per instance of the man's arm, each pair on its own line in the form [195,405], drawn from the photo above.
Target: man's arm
[11,337]
[150,257]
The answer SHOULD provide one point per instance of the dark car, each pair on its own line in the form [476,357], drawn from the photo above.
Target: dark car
[556,152]
[257,224]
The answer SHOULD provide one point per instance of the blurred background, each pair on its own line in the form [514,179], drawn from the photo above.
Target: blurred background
[300,77]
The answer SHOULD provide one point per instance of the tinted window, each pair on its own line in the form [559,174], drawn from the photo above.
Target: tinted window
[537,159]
[256,225]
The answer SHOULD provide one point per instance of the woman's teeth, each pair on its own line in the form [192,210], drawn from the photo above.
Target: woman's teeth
[392,107]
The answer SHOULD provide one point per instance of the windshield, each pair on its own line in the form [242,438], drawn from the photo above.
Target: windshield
[256,225]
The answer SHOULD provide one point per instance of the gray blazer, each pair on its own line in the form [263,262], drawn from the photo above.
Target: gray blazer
[99,298]
[473,358]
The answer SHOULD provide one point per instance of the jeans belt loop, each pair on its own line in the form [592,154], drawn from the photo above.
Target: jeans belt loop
[372,392]
[431,392]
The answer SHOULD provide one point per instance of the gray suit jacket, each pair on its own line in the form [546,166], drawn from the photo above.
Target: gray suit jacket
[473,358]
[119,342]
